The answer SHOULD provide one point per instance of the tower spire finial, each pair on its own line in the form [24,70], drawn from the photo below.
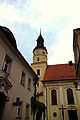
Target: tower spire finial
[40,31]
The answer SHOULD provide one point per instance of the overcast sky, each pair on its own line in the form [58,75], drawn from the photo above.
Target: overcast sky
[56,18]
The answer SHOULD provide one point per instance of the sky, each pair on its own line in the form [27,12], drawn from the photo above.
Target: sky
[56,18]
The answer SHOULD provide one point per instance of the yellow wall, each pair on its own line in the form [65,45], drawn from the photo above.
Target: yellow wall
[59,86]
[42,65]
[41,53]
[55,108]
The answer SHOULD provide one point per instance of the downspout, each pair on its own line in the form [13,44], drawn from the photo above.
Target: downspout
[46,101]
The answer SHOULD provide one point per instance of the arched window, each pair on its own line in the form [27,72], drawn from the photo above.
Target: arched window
[70,97]
[54,97]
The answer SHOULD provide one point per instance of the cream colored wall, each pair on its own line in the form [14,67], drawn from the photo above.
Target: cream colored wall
[55,108]
[17,89]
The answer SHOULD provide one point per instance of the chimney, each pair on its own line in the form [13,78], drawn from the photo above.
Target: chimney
[70,63]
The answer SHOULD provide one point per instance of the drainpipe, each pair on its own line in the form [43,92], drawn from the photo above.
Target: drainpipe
[46,101]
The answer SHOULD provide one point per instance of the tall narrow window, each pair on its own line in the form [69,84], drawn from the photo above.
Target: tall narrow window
[18,104]
[29,84]
[38,71]
[38,59]
[6,64]
[27,112]
[23,79]
[70,97]
[54,97]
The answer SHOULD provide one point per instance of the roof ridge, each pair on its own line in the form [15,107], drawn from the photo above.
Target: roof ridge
[59,64]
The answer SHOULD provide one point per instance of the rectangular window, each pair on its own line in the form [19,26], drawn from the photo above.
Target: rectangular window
[19,111]
[29,84]
[27,112]
[23,79]
[18,105]
[38,72]
[6,64]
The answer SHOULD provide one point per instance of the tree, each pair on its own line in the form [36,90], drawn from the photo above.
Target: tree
[36,106]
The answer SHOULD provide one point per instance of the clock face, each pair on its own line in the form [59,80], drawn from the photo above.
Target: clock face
[38,52]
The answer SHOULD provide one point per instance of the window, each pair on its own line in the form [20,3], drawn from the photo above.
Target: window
[34,53]
[6,64]
[70,97]
[38,72]
[23,79]
[37,59]
[18,105]
[29,84]
[54,97]
[27,112]
[43,52]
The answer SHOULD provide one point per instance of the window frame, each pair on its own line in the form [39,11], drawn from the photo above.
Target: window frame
[54,97]
[38,72]
[29,83]
[7,64]
[23,78]
[27,111]
[70,96]
[37,59]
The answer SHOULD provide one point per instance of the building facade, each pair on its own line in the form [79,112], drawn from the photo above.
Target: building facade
[39,65]
[62,99]
[55,87]
[76,48]
[16,80]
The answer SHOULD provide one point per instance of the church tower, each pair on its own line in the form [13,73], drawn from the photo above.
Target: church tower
[39,57]
[39,64]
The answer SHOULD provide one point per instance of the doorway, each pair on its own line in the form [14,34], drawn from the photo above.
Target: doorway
[2,103]
[72,114]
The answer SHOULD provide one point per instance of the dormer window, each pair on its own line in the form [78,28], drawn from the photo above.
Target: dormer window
[6,64]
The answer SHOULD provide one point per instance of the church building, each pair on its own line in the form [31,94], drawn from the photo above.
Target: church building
[55,87]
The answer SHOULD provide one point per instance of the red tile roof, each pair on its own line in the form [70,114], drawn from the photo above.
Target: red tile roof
[60,72]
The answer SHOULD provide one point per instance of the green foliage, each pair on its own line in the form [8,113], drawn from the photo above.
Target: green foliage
[37,106]
[35,80]
[33,104]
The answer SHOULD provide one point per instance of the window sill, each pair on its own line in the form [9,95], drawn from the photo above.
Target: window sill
[54,104]
[71,104]
[22,84]
[5,72]
[18,117]
[27,118]
[29,89]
